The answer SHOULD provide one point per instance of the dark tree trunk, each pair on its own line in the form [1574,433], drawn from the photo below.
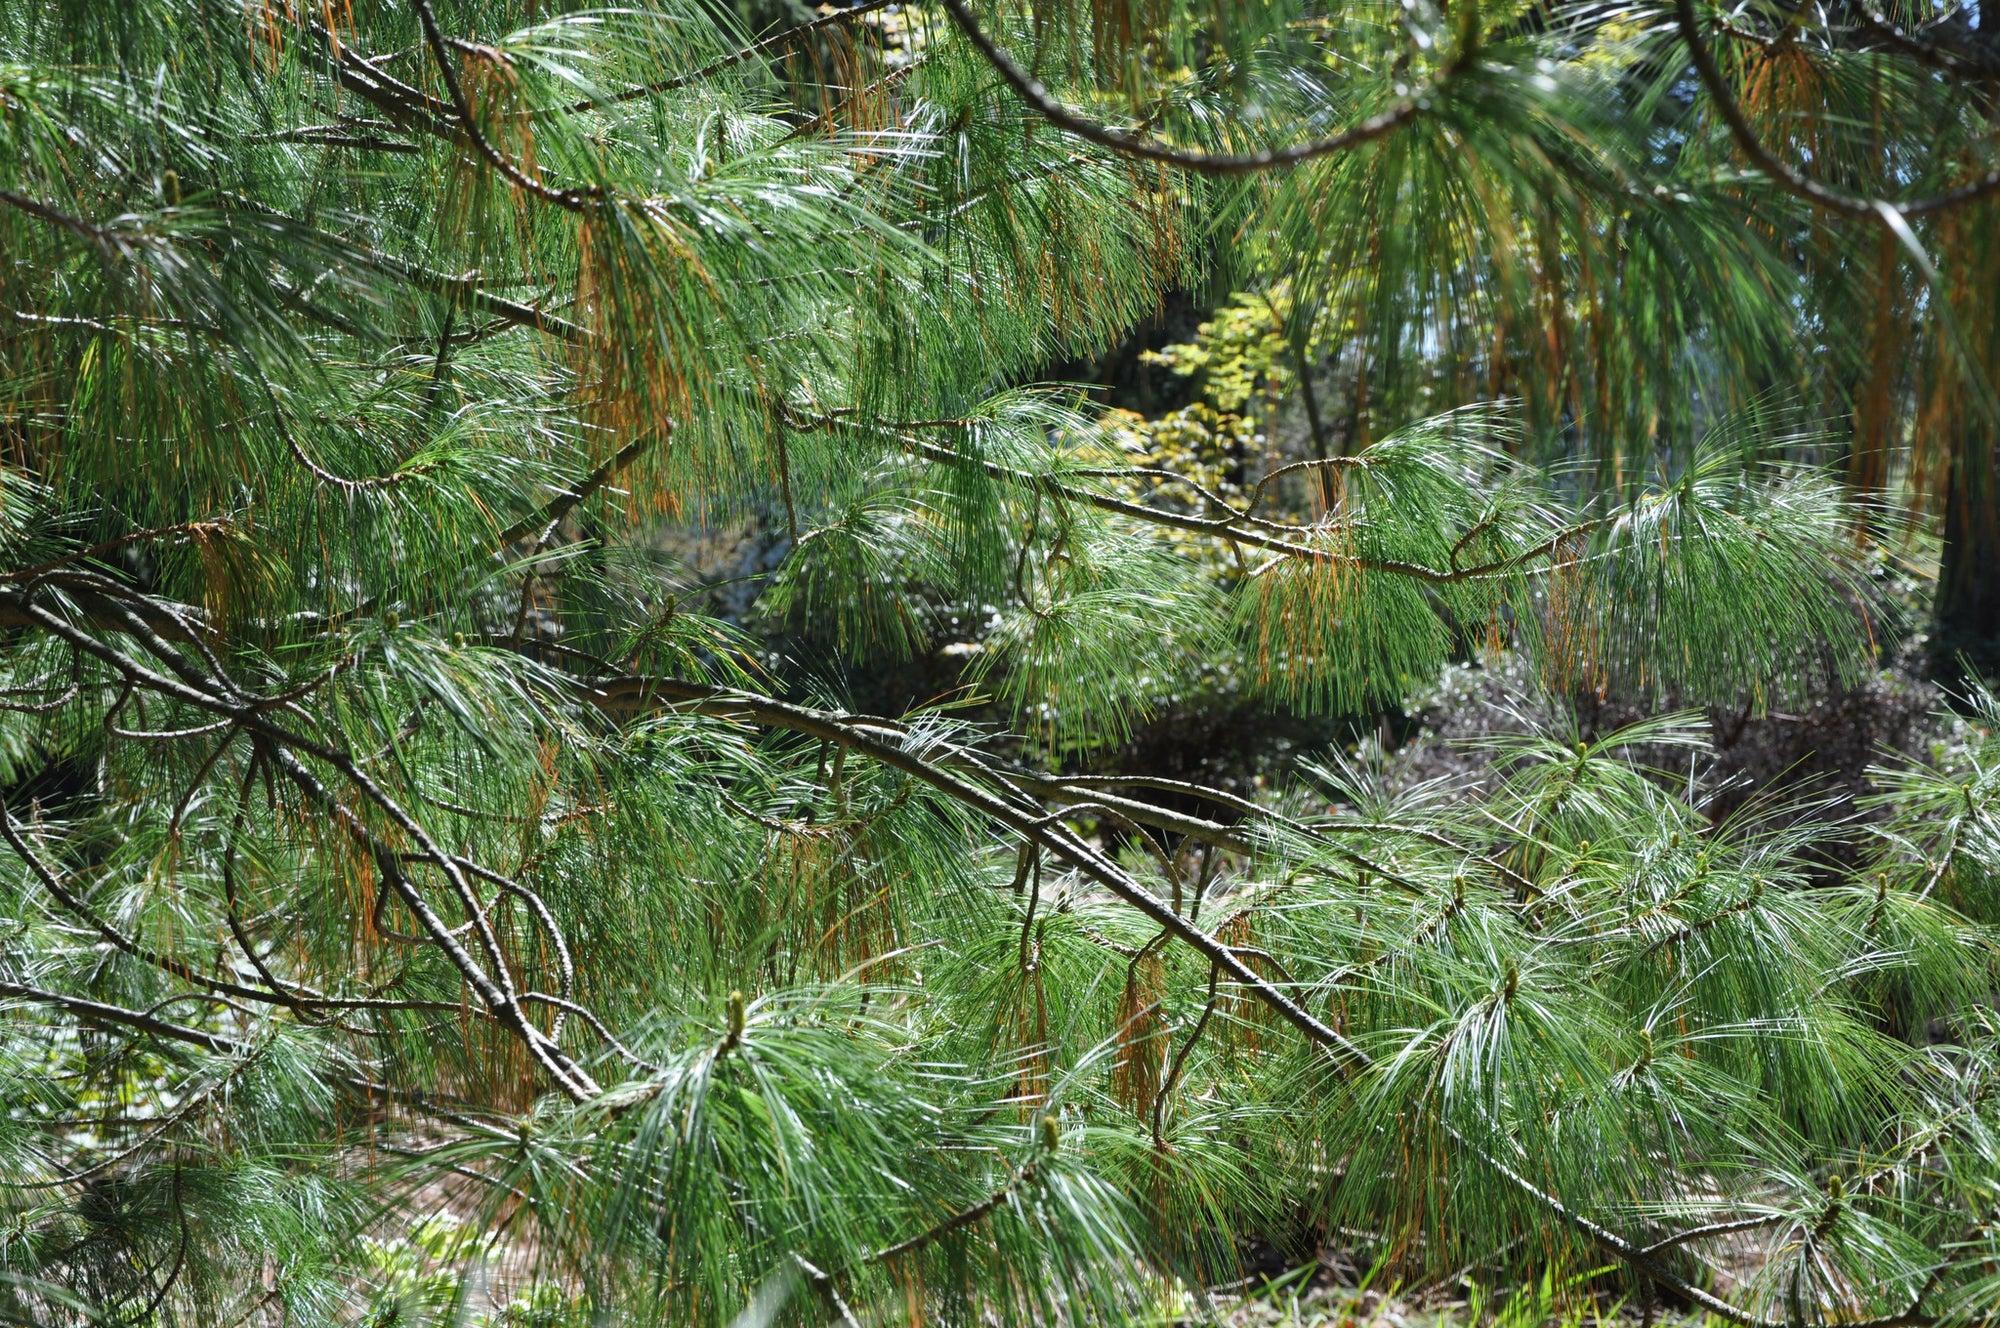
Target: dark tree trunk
[1967,635]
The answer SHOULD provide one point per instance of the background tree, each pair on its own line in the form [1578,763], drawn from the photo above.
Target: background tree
[416,909]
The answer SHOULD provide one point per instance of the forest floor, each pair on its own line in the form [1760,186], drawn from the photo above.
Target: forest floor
[1326,1299]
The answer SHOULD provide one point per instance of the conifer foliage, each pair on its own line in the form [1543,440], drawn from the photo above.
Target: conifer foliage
[414,910]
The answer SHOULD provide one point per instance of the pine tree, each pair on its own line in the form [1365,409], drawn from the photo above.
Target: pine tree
[415,909]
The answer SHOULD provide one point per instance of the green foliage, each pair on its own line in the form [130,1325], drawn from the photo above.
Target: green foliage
[1236,355]
[1114,623]
[418,911]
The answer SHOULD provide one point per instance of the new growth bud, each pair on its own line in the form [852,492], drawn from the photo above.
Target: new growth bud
[1836,1193]
[734,1006]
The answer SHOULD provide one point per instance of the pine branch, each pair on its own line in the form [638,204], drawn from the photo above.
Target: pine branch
[1238,526]
[100,238]
[402,103]
[545,518]
[1968,62]
[118,1016]
[776,41]
[1638,1258]
[1895,215]
[885,746]
[1146,148]
[959,1221]
[1714,1229]
[570,200]
[215,693]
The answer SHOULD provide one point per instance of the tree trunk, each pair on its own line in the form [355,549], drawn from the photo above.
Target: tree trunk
[1964,423]
[1874,406]
[1967,635]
